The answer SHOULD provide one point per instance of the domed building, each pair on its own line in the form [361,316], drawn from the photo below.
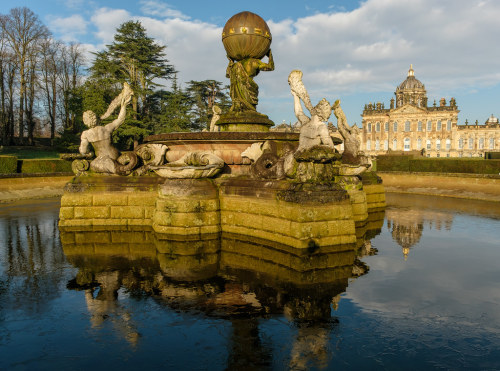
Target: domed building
[411,125]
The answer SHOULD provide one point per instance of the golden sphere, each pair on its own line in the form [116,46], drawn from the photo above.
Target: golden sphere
[246,35]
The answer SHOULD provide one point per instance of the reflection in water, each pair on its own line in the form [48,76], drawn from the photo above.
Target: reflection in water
[130,298]
[236,278]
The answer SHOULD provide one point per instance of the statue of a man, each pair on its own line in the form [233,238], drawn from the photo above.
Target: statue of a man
[100,136]
[243,90]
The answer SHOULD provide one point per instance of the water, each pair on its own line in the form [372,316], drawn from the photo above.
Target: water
[423,293]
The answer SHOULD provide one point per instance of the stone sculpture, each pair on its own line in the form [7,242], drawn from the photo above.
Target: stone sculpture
[108,159]
[247,39]
[216,116]
[313,130]
[197,164]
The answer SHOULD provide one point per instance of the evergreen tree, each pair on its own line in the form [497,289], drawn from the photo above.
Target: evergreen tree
[135,58]
[204,94]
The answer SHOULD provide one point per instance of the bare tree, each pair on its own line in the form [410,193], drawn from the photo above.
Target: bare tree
[71,64]
[23,30]
[50,53]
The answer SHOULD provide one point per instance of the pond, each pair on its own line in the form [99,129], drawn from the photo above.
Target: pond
[420,290]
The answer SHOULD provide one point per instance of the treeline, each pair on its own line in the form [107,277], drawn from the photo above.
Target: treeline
[45,87]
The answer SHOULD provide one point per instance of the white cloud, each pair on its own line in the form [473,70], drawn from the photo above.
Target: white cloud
[69,28]
[156,8]
[450,43]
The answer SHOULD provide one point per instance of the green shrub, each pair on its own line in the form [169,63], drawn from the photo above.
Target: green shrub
[455,165]
[393,163]
[8,164]
[492,155]
[45,166]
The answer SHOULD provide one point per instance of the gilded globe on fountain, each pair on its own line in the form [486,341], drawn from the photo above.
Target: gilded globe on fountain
[246,35]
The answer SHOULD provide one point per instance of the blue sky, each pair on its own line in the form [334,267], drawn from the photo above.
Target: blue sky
[358,51]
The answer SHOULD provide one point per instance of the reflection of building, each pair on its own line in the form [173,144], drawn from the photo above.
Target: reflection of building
[407,226]
[410,124]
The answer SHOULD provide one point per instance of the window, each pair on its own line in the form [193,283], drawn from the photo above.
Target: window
[419,143]
[419,126]
[407,126]
[377,144]
[447,155]
[395,126]
[492,143]
[448,144]
[471,143]
[428,144]
[394,144]
[438,155]
[438,128]
[386,144]
[377,127]
[429,126]
[386,126]
[448,125]
[481,143]
[368,145]
[461,143]
[369,127]
[438,144]
[407,144]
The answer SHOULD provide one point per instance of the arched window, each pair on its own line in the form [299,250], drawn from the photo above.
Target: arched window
[419,144]
[386,126]
[394,144]
[428,144]
[438,144]
[377,144]
[377,127]
[460,143]
[492,143]
[471,143]
[481,143]
[386,144]
[368,145]
[407,126]
[429,125]
[419,126]
[438,126]
[369,127]
[395,127]
[407,144]
[448,144]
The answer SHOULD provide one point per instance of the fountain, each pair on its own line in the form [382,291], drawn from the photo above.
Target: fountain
[241,178]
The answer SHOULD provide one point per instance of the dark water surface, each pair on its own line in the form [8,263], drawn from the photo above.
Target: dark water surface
[421,290]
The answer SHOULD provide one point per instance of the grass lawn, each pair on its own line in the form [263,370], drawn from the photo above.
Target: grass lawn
[28,152]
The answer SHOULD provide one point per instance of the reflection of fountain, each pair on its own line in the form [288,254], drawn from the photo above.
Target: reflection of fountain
[232,277]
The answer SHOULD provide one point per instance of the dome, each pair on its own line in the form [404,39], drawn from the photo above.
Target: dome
[492,120]
[411,82]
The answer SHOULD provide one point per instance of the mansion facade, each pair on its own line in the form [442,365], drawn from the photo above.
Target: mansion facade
[411,125]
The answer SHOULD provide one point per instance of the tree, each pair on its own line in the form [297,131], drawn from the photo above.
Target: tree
[23,30]
[135,58]
[204,95]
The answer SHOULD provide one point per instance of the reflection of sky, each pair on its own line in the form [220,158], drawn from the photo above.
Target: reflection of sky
[451,276]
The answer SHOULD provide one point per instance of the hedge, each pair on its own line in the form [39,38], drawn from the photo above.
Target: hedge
[438,165]
[45,166]
[492,155]
[8,164]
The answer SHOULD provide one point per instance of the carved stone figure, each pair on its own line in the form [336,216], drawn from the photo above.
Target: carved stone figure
[107,157]
[243,89]
[197,164]
[216,116]
[313,130]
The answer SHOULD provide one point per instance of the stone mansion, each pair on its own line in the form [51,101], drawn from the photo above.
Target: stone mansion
[411,125]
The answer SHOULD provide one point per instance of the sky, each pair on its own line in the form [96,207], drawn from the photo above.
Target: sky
[356,51]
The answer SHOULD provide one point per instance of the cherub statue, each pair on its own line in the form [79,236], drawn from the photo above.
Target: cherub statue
[100,136]
[216,116]
[313,130]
